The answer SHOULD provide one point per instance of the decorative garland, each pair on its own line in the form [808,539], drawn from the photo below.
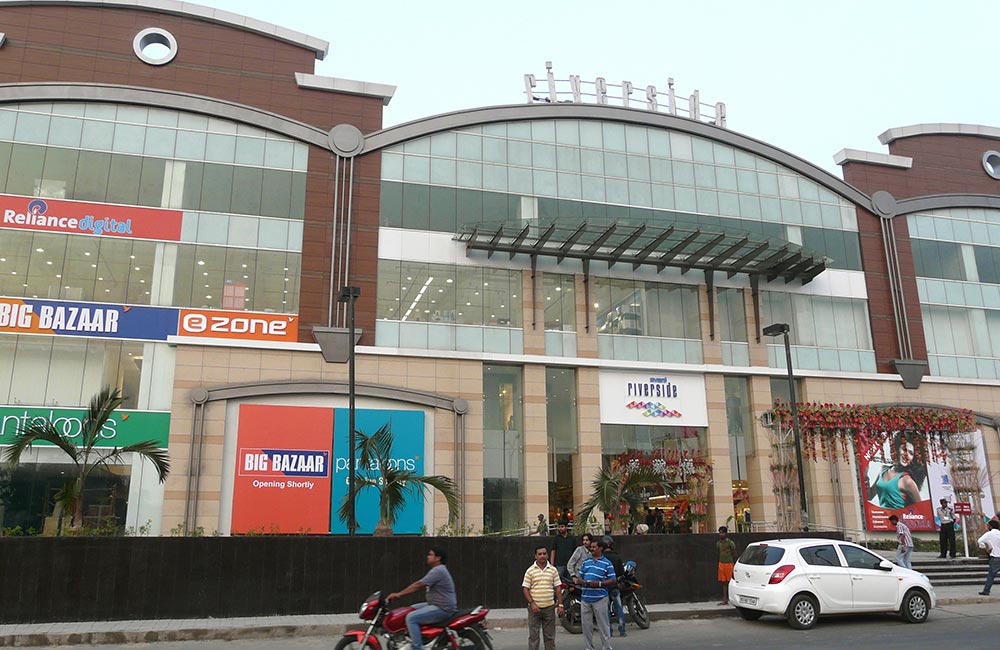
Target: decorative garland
[829,428]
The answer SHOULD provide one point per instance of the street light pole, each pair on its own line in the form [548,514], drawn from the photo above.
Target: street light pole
[783,329]
[350,295]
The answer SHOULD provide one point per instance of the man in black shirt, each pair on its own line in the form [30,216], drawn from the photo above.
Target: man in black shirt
[563,545]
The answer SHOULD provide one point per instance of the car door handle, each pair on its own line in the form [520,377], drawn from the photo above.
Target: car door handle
[814,577]
[856,578]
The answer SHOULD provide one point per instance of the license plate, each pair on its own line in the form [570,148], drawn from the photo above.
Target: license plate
[748,600]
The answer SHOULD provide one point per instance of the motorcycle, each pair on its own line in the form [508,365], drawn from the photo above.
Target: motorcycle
[466,630]
[570,619]
[633,600]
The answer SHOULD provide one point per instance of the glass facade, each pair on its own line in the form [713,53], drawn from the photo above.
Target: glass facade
[561,427]
[603,172]
[826,333]
[241,191]
[956,256]
[503,448]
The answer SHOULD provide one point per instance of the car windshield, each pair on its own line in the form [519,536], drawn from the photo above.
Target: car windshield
[762,555]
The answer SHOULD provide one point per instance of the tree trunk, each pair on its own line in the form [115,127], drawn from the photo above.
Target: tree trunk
[383,529]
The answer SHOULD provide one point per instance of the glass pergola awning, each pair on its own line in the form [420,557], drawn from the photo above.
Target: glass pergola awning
[673,246]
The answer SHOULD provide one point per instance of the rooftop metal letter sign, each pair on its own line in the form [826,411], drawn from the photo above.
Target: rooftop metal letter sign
[576,91]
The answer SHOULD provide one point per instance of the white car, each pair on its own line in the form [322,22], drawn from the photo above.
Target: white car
[802,579]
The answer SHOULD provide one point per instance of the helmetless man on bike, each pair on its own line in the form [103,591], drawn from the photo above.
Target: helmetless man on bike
[441,602]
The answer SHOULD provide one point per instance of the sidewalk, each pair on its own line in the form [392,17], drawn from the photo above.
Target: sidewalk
[331,625]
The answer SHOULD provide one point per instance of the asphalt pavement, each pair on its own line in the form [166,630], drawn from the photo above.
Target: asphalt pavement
[970,627]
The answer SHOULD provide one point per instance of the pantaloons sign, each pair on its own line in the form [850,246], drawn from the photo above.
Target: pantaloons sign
[123,428]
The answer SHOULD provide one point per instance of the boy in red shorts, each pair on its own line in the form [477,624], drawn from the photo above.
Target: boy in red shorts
[727,558]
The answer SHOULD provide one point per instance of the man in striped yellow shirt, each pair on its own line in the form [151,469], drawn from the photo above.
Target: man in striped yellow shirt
[543,591]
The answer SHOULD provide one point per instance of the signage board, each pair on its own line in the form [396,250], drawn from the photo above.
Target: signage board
[963,508]
[407,452]
[282,478]
[92,219]
[32,316]
[246,326]
[141,322]
[124,427]
[653,398]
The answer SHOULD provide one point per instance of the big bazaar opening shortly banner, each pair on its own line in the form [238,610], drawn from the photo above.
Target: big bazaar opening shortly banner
[895,483]
[290,479]
[282,480]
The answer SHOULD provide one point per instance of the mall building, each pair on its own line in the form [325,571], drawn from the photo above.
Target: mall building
[543,285]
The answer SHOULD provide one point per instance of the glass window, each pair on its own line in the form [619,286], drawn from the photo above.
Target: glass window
[247,184]
[217,189]
[502,447]
[560,302]
[822,555]
[276,193]
[859,558]
[732,315]
[25,173]
[762,555]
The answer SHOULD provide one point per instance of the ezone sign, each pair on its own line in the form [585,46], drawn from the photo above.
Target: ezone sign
[247,326]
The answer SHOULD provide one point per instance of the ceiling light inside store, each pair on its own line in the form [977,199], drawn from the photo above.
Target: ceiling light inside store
[417,299]
[39,250]
[201,262]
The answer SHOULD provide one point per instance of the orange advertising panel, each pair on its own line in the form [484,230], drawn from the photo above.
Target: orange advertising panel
[244,325]
[282,481]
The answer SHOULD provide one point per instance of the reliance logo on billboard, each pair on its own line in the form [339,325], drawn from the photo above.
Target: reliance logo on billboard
[95,219]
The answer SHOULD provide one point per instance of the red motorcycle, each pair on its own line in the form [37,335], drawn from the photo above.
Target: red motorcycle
[466,630]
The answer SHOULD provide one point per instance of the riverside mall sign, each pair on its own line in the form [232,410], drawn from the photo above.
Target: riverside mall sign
[577,91]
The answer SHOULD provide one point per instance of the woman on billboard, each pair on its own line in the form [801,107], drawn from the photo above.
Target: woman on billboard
[898,484]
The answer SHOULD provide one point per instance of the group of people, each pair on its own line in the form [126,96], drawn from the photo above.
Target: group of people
[594,566]
[990,541]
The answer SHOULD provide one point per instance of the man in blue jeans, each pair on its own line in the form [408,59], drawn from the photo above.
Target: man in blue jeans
[441,603]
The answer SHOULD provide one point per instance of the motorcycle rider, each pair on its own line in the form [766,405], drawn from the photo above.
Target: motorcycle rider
[616,596]
[441,602]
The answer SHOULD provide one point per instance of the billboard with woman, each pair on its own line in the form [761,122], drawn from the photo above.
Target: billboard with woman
[894,479]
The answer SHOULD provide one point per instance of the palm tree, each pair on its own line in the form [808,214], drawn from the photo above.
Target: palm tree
[619,489]
[86,456]
[395,482]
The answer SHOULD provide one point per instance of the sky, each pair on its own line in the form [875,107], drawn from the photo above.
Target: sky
[810,78]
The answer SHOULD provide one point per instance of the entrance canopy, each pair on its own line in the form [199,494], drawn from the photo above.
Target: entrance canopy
[675,246]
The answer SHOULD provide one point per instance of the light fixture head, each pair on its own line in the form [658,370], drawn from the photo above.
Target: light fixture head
[347,294]
[776,329]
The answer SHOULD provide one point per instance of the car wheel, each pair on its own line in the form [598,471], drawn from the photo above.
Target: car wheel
[915,607]
[802,612]
[749,614]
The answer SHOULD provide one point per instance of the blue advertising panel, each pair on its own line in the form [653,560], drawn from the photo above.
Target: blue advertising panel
[31,316]
[407,450]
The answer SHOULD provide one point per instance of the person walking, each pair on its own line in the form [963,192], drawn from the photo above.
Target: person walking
[991,540]
[441,601]
[596,575]
[905,549]
[613,592]
[562,548]
[540,526]
[946,536]
[543,590]
[727,559]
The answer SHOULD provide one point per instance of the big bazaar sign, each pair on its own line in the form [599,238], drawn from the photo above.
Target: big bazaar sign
[94,219]
[141,322]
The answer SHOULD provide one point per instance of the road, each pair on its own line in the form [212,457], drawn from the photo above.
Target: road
[970,627]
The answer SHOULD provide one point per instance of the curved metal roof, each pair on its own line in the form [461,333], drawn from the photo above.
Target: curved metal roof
[671,246]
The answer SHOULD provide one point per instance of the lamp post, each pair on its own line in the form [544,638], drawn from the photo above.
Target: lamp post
[772,331]
[350,295]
